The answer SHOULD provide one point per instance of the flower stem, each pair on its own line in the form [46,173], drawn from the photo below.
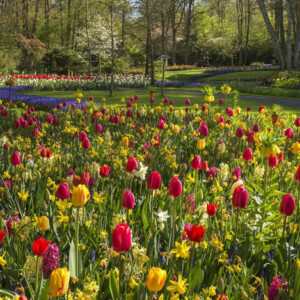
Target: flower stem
[120,273]
[37,274]
[174,223]
[236,231]
[284,223]
[77,242]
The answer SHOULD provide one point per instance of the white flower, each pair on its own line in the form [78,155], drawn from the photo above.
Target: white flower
[162,216]
[141,173]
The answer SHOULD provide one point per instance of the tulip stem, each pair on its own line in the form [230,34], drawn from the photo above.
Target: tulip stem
[37,274]
[284,223]
[192,256]
[76,245]
[120,274]
[236,231]
[174,223]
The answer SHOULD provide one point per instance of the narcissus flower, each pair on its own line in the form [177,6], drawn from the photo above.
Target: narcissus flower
[178,286]
[156,279]
[181,249]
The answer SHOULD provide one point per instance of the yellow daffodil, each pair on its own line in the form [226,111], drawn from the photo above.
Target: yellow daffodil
[181,250]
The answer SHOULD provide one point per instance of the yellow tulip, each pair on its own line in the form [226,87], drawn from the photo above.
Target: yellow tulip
[43,223]
[158,109]
[122,100]
[295,148]
[80,195]
[59,282]
[201,144]
[196,106]
[125,141]
[176,129]
[221,125]
[156,279]
[217,116]
[122,119]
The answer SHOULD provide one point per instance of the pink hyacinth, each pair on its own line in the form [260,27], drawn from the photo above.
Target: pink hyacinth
[274,287]
[189,203]
[9,224]
[50,260]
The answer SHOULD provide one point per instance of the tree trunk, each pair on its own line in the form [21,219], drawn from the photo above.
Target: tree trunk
[111,89]
[188,31]
[88,35]
[148,38]
[174,31]
[289,33]
[272,33]
[61,23]
[296,62]
[69,22]
[248,21]
[36,13]
[25,15]
[239,8]
[123,27]
[47,20]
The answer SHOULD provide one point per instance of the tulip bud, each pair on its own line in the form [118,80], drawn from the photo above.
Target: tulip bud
[121,238]
[104,171]
[196,162]
[175,188]
[131,164]
[240,197]
[85,178]
[128,200]
[15,159]
[85,144]
[239,132]
[153,181]
[272,162]
[195,233]
[297,175]
[289,133]
[63,191]
[43,223]
[287,205]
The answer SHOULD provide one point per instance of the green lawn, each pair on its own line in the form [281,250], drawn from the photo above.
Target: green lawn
[179,99]
[183,75]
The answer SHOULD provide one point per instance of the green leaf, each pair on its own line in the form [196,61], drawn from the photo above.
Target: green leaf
[7,293]
[73,262]
[144,217]
[113,286]
[45,291]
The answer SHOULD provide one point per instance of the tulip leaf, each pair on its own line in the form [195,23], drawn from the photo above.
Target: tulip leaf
[113,286]
[7,293]
[72,261]
[144,217]
[45,291]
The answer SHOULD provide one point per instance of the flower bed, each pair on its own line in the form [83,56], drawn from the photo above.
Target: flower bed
[147,202]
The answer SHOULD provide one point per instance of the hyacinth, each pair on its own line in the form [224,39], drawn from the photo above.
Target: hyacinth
[189,203]
[9,224]
[274,287]
[50,259]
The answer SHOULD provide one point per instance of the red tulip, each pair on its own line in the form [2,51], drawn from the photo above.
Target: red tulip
[40,246]
[240,197]
[204,166]
[85,178]
[128,200]
[196,162]
[161,124]
[195,233]
[75,180]
[2,235]
[23,297]
[248,154]
[44,152]
[121,238]
[239,132]
[297,175]
[104,171]
[83,136]
[153,181]
[272,161]
[280,157]
[63,191]
[211,209]
[15,159]
[131,164]
[289,133]
[175,188]
[297,122]
[287,205]
[85,143]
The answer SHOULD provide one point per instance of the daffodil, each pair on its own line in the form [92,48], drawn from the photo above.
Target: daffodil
[23,195]
[179,286]
[181,250]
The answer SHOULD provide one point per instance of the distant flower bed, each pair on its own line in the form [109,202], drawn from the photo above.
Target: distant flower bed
[290,83]
[65,82]
[168,68]
[50,102]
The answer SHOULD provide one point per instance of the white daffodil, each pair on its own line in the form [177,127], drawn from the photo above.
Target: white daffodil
[141,173]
